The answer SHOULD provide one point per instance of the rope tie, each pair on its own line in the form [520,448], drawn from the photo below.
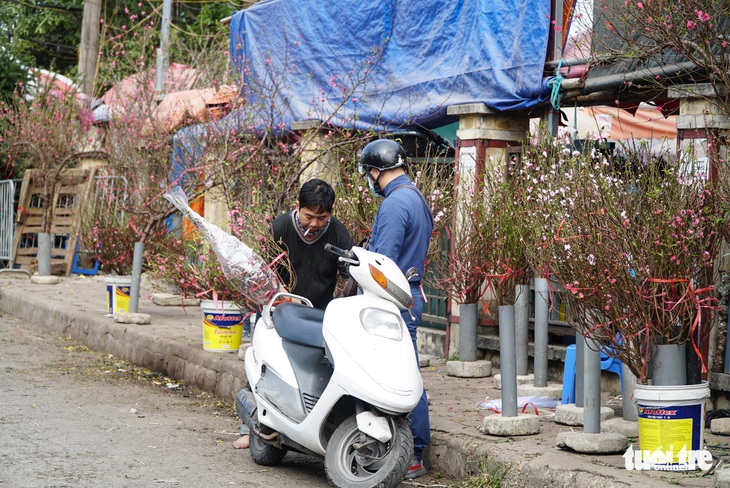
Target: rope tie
[557,87]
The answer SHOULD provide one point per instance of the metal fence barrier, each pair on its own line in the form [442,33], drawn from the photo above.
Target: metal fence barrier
[7,221]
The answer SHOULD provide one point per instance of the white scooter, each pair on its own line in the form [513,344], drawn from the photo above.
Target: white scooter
[338,383]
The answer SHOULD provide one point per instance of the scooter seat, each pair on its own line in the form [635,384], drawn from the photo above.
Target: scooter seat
[299,323]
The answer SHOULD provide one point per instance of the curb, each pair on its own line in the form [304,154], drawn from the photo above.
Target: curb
[216,374]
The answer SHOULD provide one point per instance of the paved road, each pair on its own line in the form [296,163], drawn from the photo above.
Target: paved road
[70,417]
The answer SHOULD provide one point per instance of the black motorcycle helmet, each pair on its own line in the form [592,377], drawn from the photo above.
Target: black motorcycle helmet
[382,154]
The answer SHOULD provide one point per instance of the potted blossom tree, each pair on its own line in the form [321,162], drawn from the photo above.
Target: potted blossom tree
[635,246]
[463,275]
[504,268]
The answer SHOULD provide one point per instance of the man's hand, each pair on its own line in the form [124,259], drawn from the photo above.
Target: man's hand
[282,289]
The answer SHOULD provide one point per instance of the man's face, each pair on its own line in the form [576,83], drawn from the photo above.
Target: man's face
[312,220]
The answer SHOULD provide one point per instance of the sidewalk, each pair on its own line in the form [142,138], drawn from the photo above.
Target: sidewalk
[172,344]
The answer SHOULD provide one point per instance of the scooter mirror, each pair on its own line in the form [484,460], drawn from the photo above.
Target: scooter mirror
[411,273]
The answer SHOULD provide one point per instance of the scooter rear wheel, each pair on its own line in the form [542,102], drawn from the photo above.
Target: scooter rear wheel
[264,453]
[375,463]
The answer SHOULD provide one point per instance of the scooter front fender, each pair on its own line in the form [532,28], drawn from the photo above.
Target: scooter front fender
[379,370]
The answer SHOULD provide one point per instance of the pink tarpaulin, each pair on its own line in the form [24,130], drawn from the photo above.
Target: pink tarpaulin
[646,123]
[192,106]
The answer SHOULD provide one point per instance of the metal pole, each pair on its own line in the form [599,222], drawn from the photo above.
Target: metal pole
[162,53]
[580,347]
[468,318]
[627,400]
[726,369]
[592,388]
[136,276]
[522,327]
[507,364]
[541,332]
[668,367]
[44,254]
[89,49]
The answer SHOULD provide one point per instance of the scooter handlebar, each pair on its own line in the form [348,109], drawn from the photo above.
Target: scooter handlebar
[343,253]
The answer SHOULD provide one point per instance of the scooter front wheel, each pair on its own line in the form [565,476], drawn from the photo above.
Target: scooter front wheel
[356,460]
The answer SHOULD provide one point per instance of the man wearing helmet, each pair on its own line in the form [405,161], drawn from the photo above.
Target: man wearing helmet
[402,231]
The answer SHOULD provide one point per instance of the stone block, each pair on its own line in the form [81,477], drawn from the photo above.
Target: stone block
[170,300]
[522,424]
[469,369]
[722,478]
[132,318]
[620,426]
[424,360]
[569,414]
[522,379]
[604,443]
[552,390]
[242,350]
[720,426]
[44,280]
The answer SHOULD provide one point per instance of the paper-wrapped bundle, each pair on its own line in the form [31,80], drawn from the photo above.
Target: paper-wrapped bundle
[245,269]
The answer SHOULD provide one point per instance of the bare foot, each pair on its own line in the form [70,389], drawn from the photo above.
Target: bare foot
[241,442]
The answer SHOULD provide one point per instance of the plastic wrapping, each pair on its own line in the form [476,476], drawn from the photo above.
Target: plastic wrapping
[522,402]
[245,269]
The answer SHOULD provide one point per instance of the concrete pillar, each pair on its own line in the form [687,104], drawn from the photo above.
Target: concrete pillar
[485,138]
[318,158]
[703,131]
[703,124]
[215,207]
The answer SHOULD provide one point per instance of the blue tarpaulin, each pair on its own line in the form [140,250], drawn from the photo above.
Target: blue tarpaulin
[379,64]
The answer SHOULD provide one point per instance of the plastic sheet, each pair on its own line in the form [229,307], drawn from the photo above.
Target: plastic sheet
[537,402]
[245,269]
[385,64]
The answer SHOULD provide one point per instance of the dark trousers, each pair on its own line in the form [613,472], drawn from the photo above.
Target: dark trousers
[420,423]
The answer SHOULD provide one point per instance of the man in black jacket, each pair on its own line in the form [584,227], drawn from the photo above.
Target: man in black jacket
[302,234]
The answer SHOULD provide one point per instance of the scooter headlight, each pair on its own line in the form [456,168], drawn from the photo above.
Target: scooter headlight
[382,323]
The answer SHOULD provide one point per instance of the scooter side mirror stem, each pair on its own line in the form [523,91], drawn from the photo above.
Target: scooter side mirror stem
[411,273]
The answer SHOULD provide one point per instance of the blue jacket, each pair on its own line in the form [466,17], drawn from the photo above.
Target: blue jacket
[403,227]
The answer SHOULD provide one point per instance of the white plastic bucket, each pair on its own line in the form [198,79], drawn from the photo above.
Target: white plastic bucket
[671,422]
[117,293]
[222,326]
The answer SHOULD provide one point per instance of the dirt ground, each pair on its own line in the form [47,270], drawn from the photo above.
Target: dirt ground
[70,417]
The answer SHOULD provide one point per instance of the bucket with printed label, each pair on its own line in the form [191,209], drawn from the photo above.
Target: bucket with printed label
[671,425]
[222,326]
[117,293]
